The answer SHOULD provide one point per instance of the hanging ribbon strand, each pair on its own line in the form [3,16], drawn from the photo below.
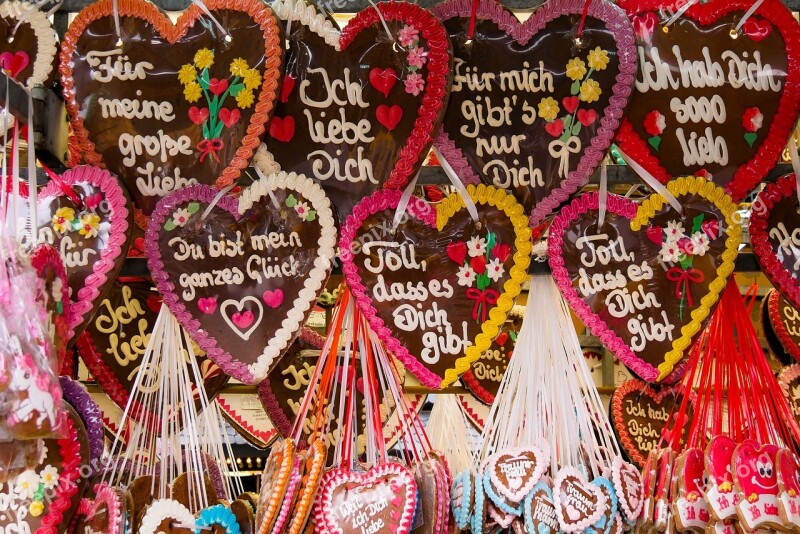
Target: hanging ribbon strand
[582,24]
[652,182]
[456,182]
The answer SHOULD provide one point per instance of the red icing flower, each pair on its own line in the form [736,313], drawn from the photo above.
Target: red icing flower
[478,264]
[752,120]
[501,251]
[686,246]
[655,122]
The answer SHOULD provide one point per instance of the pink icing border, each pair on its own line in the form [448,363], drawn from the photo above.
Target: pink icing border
[288,500]
[542,463]
[582,204]
[618,465]
[119,235]
[611,118]
[377,202]
[106,494]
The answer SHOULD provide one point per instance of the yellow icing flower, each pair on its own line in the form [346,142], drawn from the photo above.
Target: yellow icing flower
[548,108]
[204,58]
[90,223]
[590,91]
[187,74]
[62,220]
[245,98]
[239,66]
[252,79]
[192,91]
[36,508]
[576,68]
[598,59]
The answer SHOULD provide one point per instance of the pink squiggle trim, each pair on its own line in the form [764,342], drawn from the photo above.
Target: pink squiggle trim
[106,269]
[582,204]
[377,202]
[105,494]
[288,500]
[69,449]
[204,194]
[617,23]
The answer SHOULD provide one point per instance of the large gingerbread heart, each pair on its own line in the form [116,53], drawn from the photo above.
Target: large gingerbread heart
[380,500]
[711,96]
[242,276]
[114,343]
[436,289]
[775,236]
[357,110]
[646,282]
[164,106]
[27,54]
[43,499]
[641,415]
[534,106]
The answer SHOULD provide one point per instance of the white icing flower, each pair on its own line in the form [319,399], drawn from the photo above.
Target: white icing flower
[27,484]
[49,477]
[180,217]
[302,209]
[495,270]
[700,244]
[674,231]
[669,253]
[466,276]
[476,246]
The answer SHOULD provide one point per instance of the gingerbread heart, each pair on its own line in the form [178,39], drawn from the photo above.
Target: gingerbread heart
[641,415]
[755,478]
[167,516]
[515,472]
[719,493]
[114,343]
[274,483]
[775,236]
[161,136]
[689,507]
[579,503]
[242,275]
[314,464]
[50,268]
[646,282]
[437,289]
[539,510]
[105,513]
[711,96]
[609,517]
[28,43]
[785,321]
[347,95]
[788,475]
[629,488]
[380,500]
[534,105]
[789,380]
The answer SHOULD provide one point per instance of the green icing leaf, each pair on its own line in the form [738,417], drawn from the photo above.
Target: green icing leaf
[655,141]
[235,89]
[193,207]
[291,201]
[311,215]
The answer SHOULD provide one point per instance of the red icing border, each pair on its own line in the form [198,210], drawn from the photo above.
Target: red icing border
[44,255]
[779,328]
[755,170]
[70,450]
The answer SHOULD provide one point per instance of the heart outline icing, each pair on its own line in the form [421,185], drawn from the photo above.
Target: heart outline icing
[559,189]
[312,208]
[435,219]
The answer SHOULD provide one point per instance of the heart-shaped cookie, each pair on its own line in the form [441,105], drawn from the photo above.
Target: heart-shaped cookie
[379,500]
[114,343]
[515,472]
[646,282]
[539,510]
[314,464]
[689,507]
[200,116]
[775,236]
[609,517]
[532,109]
[711,96]
[44,498]
[244,412]
[50,268]
[719,492]
[27,54]
[274,483]
[85,214]
[788,474]
[642,414]
[218,517]
[347,96]
[437,288]
[242,276]
[579,503]
[785,321]
[164,516]
[629,488]
[755,478]
[789,380]
[104,513]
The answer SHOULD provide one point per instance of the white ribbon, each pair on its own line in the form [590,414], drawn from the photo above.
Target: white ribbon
[214,201]
[115,9]
[458,184]
[403,204]
[383,21]
[560,149]
[678,14]
[602,200]
[32,209]
[651,182]
[261,175]
[220,27]
[748,14]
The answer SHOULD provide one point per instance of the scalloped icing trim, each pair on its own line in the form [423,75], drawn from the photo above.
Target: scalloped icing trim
[779,328]
[480,195]
[763,161]
[308,492]
[161,509]
[269,505]
[81,146]
[781,277]
[219,516]
[79,398]
[611,118]
[307,15]
[477,519]
[496,499]
[461,512]
[289,497]
[105,494]
[786,376]
[603,482]
[542,458]
[307,296]
[120,234]
[578,526]
[46,37]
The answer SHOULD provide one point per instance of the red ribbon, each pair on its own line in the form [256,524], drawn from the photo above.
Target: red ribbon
[210,146]
[682,278]
[487,297]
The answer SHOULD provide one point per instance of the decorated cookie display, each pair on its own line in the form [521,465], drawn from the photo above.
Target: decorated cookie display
[689,507]
[647,281]
[163,106]
[775,237]
[579,503]
[629,488]
[716,90]
[755,479]
[347,96]
[642,414]
[785,321]
[114,343]
[484,377]
[244,412]
[437,290]
[242,275]
[274,483]
[534,105]
[28,44]
[789,380]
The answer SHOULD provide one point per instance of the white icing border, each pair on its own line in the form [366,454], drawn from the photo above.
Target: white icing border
[45,36]
[161,509]
[307,15]
[326,252]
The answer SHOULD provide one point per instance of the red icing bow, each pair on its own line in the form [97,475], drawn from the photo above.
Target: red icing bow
[682,278]
[210,146]
[483,299]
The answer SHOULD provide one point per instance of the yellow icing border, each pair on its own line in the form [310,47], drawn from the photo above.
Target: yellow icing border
[487,195]
[718,197]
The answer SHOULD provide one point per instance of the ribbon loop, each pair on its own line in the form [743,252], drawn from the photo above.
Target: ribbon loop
[483,299]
